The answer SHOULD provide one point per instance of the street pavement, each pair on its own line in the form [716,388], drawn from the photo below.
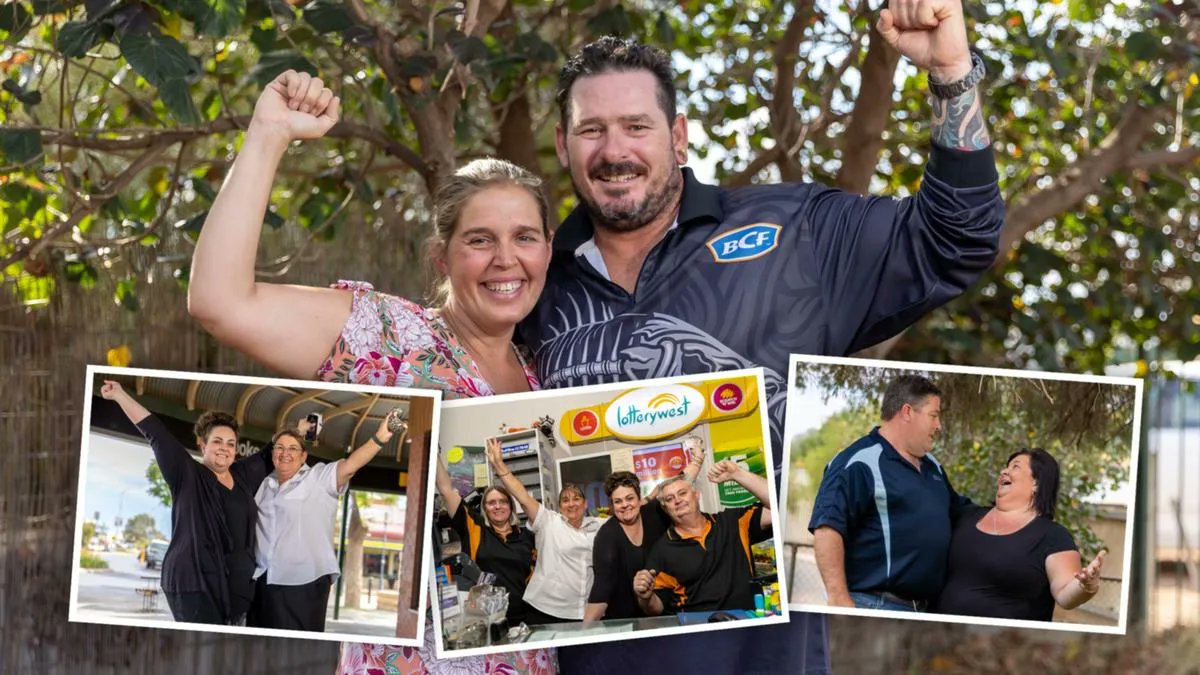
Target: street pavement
[118,592]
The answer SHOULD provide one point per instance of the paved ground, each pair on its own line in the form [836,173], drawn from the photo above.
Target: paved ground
[117,593]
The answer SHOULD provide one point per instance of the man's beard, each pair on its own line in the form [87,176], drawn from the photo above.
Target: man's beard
[620,218]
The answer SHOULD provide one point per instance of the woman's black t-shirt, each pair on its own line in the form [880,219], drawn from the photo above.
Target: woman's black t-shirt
[1001,576]
[510,558]
[241,517]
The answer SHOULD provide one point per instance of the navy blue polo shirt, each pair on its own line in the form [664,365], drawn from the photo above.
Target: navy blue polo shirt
[753,274]
[895,520]
[750,275]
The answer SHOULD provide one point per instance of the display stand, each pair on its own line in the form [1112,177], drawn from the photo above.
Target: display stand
[526,453]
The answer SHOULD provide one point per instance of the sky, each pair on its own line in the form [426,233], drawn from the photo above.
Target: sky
[115,482]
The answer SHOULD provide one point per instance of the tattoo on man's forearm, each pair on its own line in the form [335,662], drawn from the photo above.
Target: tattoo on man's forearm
[958,122]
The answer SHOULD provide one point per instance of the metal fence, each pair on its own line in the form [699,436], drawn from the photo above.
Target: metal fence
[1171,460]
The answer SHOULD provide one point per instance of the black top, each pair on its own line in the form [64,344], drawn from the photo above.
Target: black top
[842,273]
[756,273]
[207,554]
[510,558]
[1001,576]
[714,571]
[241,515]
[615,561]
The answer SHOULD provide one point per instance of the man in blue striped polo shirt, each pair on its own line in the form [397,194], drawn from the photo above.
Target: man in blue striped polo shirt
[882,516]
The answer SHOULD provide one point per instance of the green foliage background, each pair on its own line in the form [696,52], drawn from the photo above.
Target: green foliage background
[1087,427]
[120,118]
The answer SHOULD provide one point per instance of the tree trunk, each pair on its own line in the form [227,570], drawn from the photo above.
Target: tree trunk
[353,571]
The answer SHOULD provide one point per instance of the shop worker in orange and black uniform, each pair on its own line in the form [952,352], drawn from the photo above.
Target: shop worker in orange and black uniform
[703,563]
[493,539]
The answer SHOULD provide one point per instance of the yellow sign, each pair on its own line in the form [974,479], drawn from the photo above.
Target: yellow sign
[649,413]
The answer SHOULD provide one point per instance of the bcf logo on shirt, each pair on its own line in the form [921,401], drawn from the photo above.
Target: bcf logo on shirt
[745,243]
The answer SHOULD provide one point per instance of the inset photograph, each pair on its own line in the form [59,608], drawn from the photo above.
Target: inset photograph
[604,513]
[252,505]
[960,494]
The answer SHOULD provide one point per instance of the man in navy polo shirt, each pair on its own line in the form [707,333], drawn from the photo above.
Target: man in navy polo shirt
[656,274]
[882,516]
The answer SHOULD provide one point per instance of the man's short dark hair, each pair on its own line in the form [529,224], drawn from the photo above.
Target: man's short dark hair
[621,479]
[910,389]
[212,419]
[611,54]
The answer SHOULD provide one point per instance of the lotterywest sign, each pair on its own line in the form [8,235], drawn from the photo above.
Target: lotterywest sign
[661,411]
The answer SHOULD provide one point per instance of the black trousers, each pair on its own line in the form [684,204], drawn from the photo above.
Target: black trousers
[536,617]
[194,608]
[290,607]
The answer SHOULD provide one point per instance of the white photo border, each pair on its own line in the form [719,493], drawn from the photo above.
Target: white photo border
[776,527]
[1136,383]
[424,564]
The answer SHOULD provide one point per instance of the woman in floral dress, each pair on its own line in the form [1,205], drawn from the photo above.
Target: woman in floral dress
[492,245]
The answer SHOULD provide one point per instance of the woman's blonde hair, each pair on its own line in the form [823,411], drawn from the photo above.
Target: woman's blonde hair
[469,180]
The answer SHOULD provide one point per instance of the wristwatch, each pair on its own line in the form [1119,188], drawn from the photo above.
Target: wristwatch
[949,90]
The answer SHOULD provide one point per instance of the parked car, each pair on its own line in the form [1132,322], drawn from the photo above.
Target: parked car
[154,553]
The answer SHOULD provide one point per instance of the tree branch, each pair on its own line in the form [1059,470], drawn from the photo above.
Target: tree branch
[91,140]
[785,122]
[1082,177]
[1155,159]
[762,161]
[863,140]
[93,203]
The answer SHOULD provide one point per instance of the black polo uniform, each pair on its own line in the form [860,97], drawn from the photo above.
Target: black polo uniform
[753,274]
[713,571]
[510,558]
[749,276]
[895,520]
[615,561]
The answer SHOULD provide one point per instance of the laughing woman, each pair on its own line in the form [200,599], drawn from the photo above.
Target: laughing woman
[298,506]
[561,580]
[1012,561]
[492,538]
[491,243]
[208,567]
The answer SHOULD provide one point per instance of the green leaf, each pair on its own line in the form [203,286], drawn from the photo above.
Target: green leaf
[613,21]
[178,99]
[75,38]
[20,146]
[467,49]
[21,93]
[203,189]
[263,38]
[82,273]
[1143,46]
[158,58]
[273,63]
[221,17]
[15,19]
[666,32]
[273,220]
[1081,11]
[327,16]
[183,275]
[43,7]
[126,294]
[33,290]
[535,48]
[192,226]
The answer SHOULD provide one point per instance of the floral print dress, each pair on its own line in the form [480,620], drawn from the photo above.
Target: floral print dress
[390,341]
